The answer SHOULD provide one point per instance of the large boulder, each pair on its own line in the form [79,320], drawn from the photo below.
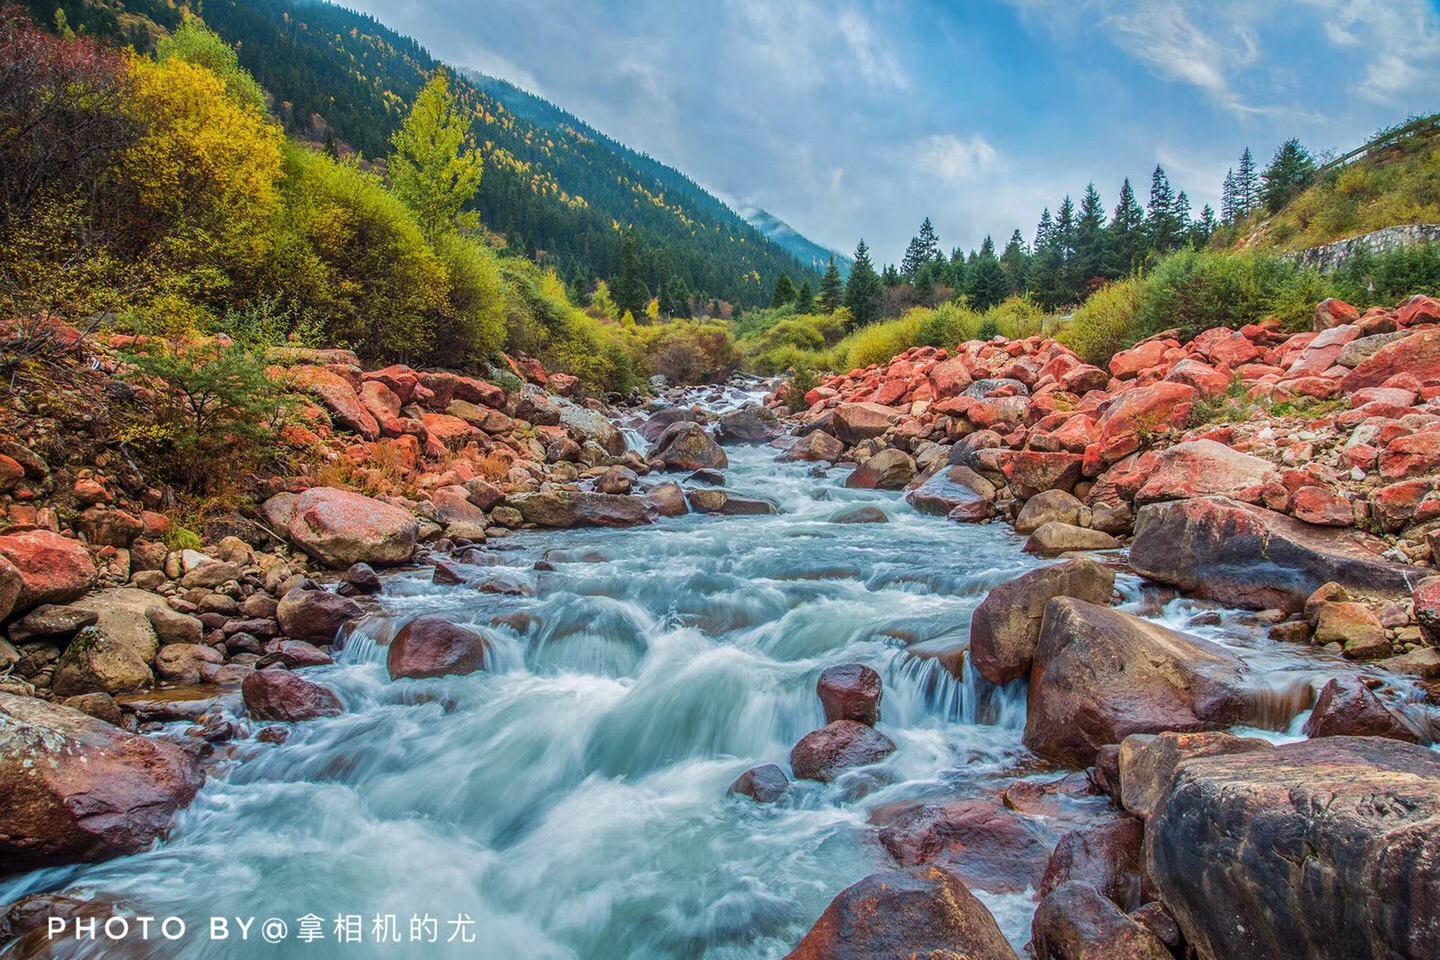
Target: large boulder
[688,446]
[817,446]
[1325,849]
[431,646]
[954,488]
[1106,856]
[50,569]
[1201,468]
[766,783]
[729,504]
[1417,355]
[987,845]
[315,616]
[284,697]
[924,912]
[1100,675]
[79,789]
[125,615]
[1246,556]
[856,422]
[1075,922]
[1005,628]
[1054,538]
[661,420]
[563,508]
[341,528]
[890,469]
[338,397]
[752,423]
[1051,506]
[1347,708]
[96,663]
[850,691]
[826,753]
[592,425]
[1147,763]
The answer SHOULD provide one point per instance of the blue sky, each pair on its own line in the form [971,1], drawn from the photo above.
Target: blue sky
[849,118]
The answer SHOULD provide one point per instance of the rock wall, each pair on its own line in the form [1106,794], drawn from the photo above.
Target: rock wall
[1334,255]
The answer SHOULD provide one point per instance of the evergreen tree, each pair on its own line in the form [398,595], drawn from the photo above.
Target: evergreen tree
[805,298]
[435,168]
[1069,283]
[1124,238]
[924,292]
[863,293]
[1182,217]
[955,270]
[988,284]
[1291,170]
[1203,228]
[924,248]
[629,288]
[1043,281]
[784,292]
[890,276]
[832,290]
[1089,238]
[1229,199]
[1162,228]
[1016,262]
[1247,185]
[675,298]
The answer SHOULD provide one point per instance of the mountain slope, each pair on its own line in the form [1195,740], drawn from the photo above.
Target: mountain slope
[801,247]
[554,187]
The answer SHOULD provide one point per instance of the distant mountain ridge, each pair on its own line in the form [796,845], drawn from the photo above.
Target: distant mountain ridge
[554,187]
[801,247]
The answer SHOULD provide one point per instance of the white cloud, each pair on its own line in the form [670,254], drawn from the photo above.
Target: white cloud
[877,62]
[1402,37]
[952,159]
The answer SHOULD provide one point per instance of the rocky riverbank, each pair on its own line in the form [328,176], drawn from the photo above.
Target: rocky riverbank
[1256,471]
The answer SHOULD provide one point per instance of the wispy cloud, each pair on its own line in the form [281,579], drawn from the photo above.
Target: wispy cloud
[951,158]
[1401,37]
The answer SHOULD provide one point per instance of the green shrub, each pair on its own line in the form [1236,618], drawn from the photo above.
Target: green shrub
[1369,279]
[1105,324]
[1194,290]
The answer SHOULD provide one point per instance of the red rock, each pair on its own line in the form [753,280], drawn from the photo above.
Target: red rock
[1029,472]
[1201,376]
[1200,468]
[338,396]
[826,753]
[1075,922]
[1085,378]
[1229,347]
[1332,313]
[1390,396]
[1127,364]
[78,789]
[1417,354]
[924,912]
[284,697]
[1417,310]
[1105,856]
[1410,501]
[998,413]
[51,568]
[854,422]
[109,528]
[1314,387]
[383,405]
[1427,609]
[448,430]
[1348,709]
[430,646]
[1148,409]
[1411,456]
[342,528]
[1322,507]
[892,392]
[399,379]
[980,841]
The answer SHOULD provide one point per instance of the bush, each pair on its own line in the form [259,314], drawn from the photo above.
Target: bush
[1194,290]
[1388,278]
[1105,324]
[692,351]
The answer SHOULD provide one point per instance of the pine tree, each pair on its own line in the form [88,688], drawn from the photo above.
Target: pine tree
[1043,281]
[1229,199]
[1124,237]
[1089,238]
[435,168]
[629,288]
[1069,283]
[1182,218]
[805,298]
[1016,261]
[924,292]
[1203,228]
[784,292]
[924,248]
[675,298]
[1247,185]
[863,293]
[1162,229]
[955,270]
[988,284]
[832,290]
[1291,170]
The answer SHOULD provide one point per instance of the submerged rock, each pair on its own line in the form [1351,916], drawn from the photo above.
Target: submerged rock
[826,753]
[763,784]
[431,646]
[79,789]
[282,696]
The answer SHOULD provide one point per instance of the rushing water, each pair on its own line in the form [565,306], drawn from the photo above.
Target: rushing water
[572,799]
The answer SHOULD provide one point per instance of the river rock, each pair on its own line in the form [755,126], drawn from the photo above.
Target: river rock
[1076,922]
[315,615]
[924,912]
[763,784]
[284,697]
[78,789]
[50,569]
[617,480]
[563,508]
[182,662]
[954,488]
[362,579]
[856,422]
[862,513]
[1105,856]
[1346,708]
[666,500]
[1246,556]
[729,504]
[592,425]
[1005,628]
[850,691]
[890,469]
[172,626]
[430,646]
[341,528]
[1325,849]
[1100,675]
[1043,508]
[295,654]
[988,846]
[826,753]
[1054,538]
[1148,762]
[661,420]
[55,622]
[817,446]
[1200,468]
[1427,609]
[94,662]
[687,446]
[752,423]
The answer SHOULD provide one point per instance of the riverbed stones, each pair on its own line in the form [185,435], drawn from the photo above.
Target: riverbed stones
[1147,763]
[687,446]
[341,528]
[890,469]
[1054,538]
[922,912]
[1247,556]
[954,488]
[1076,922]
[826,753]
[315,615]
[1105,856]
[1327,849]
[850,691]
[1346,708]
[182,662]
[78,789]
[981,841]
[861,513]
[57,622]
[857,422]
[1100,675]
[430,646]
[1426,599]
[94,662]
[816,446]
[1052,505]
[50,569]
[763,784]
[727,503]
[752,423]
[281,696]
[1005,627]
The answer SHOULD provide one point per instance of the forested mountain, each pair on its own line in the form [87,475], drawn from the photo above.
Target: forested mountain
[554,187]
[804,249]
